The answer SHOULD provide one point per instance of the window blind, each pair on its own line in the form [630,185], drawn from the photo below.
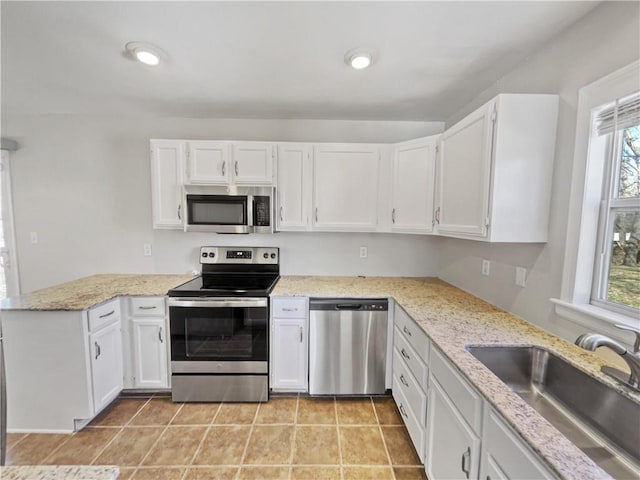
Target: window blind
[623,113]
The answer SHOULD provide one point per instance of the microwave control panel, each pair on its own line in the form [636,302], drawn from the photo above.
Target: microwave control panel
[261,211]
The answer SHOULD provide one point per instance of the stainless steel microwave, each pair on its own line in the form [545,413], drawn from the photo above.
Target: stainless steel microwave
[230,210]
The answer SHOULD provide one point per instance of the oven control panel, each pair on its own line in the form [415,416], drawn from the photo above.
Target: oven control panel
[233,255]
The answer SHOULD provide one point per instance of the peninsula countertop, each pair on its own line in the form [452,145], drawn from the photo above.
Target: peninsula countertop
[90,291]
[453,319]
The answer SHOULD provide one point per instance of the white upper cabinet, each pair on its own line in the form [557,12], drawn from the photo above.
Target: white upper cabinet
[208,163]
[167,164]
[345,187]
[252,163]
[414,168]
[494,170]
[293,190]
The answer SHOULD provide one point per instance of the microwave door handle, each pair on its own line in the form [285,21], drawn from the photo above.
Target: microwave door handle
[250,205]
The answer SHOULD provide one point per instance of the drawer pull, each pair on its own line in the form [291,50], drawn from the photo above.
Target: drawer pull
[407,331]
[405,354]
[151,307]
[466,456]
[404,381]
[285,309]
[108,314]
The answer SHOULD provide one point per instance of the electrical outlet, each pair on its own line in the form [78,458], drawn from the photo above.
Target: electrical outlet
[146,248]
[486,267]
[521,276]
[363,252]
[34,237]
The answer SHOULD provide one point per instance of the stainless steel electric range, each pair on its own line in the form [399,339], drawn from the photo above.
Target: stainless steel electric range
[219,325]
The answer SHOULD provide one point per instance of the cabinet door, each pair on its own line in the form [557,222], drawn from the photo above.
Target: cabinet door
[105,347]
[253,163]
[167,163]
[414,167]
[293,189]
[345,187]
[464,170]
[289,370]
[452,447]
[150,353]
[208,163]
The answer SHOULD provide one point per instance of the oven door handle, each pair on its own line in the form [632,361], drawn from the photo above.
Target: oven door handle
[217,302]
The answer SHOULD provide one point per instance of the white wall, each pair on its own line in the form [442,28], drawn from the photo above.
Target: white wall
[605,40]
[83,184]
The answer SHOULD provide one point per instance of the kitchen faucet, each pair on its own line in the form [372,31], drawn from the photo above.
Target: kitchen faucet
[591,341]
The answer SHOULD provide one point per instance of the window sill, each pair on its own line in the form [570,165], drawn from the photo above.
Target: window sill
[597,319]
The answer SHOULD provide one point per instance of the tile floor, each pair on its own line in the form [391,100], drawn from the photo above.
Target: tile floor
[290,437]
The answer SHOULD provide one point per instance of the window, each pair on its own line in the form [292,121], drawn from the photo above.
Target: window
[617,269]
[601,274]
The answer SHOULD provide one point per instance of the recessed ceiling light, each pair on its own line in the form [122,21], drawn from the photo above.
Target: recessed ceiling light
[359,58]
[145,53]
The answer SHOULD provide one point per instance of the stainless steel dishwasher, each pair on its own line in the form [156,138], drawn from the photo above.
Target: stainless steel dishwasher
[347,346]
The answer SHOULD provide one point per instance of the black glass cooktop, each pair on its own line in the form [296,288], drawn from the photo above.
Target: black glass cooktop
[227,284]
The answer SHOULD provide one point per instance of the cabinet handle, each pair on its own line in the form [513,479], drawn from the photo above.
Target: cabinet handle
[406,330]
[281,213]
[405,355]
[143,307]
[179,212]
[235,167]
[466,456]
[402,411]
[316,214]
[393,216]
[438,215]
[285,309]
[224,168]
[404,381]
[97,345]
[300,334]
[160,335]
[107,314]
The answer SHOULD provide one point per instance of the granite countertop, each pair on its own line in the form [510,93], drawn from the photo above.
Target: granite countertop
[454,319]
[58,473]
[90,291]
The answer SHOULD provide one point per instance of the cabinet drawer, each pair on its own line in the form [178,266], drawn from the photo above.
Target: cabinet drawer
[413,392]
[466,400]
[412,333]
[147,306]
[293,307]
[411,359]
[415,428]
[104,314]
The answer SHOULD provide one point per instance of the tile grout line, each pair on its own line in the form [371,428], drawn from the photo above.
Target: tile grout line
[384,441]
[158,439]
[197,451]
[293,439]
[335,408]
[246,446]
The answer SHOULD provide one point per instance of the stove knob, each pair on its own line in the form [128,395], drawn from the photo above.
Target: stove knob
[212,254]
[266,255]
[273,255]
[204,254]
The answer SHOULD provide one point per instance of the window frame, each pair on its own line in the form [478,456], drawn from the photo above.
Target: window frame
[583,238]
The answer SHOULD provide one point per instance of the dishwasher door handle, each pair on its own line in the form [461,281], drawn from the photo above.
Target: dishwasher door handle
[349,306]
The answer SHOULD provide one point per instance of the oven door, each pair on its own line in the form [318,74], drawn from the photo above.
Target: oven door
[219,335]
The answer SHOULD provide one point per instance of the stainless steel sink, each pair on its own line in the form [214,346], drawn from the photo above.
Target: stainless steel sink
[604,424]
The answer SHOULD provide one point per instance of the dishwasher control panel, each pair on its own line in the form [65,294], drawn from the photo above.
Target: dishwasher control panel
[349,304]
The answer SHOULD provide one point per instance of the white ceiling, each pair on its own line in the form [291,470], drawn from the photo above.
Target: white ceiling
[267,59]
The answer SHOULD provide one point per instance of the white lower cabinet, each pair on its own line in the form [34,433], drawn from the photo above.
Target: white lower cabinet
[105,346]
[150,353]
[504,457]
[452,447]
[289,346]
[146,344]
